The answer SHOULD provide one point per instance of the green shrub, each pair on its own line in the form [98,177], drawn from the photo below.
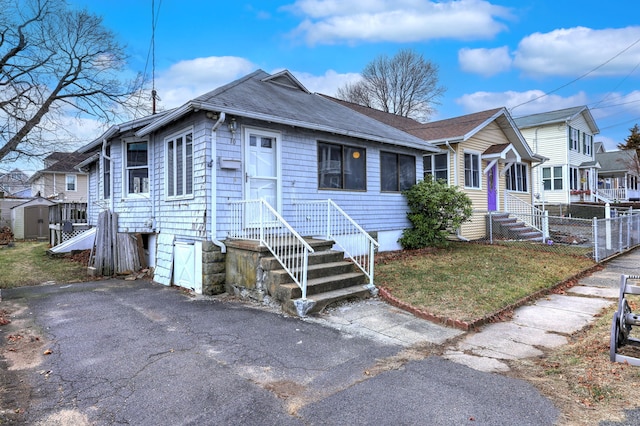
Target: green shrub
[434,210]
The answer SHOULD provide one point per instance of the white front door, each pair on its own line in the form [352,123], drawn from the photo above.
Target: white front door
[262,168]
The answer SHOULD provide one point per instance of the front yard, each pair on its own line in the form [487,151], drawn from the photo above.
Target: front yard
[467,282]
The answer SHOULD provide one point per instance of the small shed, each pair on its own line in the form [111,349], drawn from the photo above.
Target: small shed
[30,220]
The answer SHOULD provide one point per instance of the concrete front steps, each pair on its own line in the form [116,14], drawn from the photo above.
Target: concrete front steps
[512,229]
[330,278]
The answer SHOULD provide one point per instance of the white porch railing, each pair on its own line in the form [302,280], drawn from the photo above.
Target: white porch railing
[619,194]
[527,213]
[325,219]
[257,220]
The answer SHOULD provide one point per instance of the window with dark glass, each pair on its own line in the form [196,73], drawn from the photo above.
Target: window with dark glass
[436,165]
[397,171]
[471,170]
[341,167]
[137,168]
[516,178]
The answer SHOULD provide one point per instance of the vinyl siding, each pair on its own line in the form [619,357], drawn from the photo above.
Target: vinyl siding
[490,135]
[552,141]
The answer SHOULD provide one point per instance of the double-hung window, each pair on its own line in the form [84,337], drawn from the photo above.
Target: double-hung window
[137,167]
[341,167]
[471,170]
[587,144]
[397,172]
[436,165]
[574,181]
[71,183]
[516,178]
[179,168]
[574,139]
[552,178]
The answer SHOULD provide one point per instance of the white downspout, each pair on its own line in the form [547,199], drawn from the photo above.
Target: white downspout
[214,184]
[455,163]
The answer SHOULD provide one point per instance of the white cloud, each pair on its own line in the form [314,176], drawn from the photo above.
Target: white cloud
[326,84]
[575,51]
[523,103]
[486,62]
[191,78]
[334,21]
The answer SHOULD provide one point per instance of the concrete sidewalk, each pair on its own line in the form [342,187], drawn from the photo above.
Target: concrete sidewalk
[544,324]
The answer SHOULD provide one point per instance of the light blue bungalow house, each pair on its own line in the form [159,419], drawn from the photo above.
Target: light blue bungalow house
[226,191]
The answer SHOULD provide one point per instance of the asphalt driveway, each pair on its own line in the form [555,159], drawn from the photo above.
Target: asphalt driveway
[132,352]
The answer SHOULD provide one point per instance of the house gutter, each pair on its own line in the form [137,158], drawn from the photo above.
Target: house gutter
[214,184]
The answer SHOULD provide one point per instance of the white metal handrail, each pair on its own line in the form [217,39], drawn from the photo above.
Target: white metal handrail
[325,219]
[531,215]
[257,220]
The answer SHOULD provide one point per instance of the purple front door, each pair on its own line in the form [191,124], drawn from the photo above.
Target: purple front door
[492,193]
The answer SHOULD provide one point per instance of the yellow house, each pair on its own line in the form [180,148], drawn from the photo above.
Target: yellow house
[484,154]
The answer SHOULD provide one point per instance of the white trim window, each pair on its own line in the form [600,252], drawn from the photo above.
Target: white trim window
[574,139]
[179,168]
[516,178]
[471,170]
[552,178]
[574,181]
[587,144]
[71,183]
[436,165]
[137,167]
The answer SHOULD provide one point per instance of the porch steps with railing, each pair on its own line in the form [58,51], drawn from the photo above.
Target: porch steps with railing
[512,228]
[330,278]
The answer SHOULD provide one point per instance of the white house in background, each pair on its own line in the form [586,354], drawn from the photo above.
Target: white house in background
[565,137]
[619,174]
[189,179]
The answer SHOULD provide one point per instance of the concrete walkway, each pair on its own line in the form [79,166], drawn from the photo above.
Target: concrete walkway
[544,324]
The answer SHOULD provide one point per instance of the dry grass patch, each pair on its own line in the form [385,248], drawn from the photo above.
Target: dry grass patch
[27,263]
[581,380]
[469,281]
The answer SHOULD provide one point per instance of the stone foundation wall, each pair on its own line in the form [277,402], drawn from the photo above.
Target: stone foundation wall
[244,273]
[213,269]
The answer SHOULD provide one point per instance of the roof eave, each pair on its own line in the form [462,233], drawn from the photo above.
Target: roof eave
[192,106]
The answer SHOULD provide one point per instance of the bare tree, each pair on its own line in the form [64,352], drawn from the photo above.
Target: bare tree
[406,85]
[54,60]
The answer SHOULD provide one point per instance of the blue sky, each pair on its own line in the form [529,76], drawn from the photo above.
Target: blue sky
[489,53]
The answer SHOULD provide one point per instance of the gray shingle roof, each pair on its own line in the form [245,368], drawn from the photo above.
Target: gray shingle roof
[616,161]
[558,116]
[280,98]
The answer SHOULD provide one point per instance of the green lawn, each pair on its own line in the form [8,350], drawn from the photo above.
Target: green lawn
[27,263]
[469,281]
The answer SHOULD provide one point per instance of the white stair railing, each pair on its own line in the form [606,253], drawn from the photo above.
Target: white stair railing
[611,195]
[325,219]
[529,214]
[257,220]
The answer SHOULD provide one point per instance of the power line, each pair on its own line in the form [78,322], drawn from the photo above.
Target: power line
[578,78]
